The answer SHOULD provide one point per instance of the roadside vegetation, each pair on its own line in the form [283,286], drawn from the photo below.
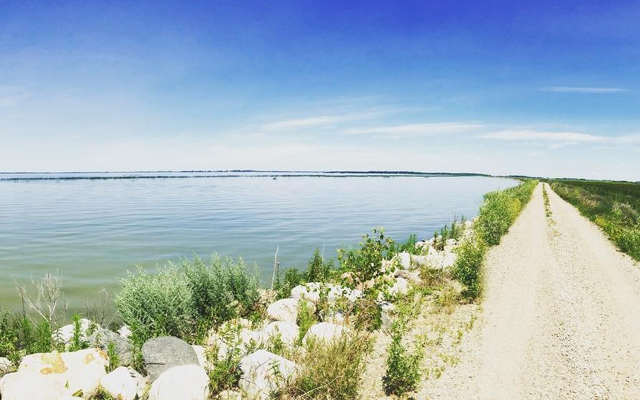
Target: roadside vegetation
[194,298]
[613,206]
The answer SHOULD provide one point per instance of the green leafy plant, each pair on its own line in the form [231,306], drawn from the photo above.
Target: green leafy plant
[365,262]
[403,369]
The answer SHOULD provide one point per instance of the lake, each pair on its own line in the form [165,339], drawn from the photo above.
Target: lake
[91,231]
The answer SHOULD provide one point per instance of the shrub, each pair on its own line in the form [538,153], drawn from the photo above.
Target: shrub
[222,290]
[156,305]
[468,266]
[306,319]
[500,209]
[403,369]
[292,278]
[365,262]
[318,270]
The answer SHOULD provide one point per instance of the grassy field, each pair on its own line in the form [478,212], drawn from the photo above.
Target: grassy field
[613,206]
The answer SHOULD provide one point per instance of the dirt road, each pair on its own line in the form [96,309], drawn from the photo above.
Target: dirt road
[561,315]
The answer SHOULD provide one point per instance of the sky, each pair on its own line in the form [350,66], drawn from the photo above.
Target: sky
[544,88]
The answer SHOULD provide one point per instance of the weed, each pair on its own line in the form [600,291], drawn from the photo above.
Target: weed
[403,368]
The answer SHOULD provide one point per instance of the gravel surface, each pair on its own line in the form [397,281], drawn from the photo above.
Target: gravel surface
[561,315]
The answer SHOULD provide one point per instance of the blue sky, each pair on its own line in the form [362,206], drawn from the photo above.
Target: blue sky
[541,88]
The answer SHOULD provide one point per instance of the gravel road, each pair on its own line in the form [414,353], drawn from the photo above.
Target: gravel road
[561,315]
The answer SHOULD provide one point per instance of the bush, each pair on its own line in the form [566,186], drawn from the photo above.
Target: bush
[365,262]
[403,369]
[318,270]
[156,305]
[468,266]
[186,301]
[500,209]
[222,290]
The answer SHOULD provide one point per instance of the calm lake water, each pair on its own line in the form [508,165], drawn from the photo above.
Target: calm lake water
[93,230]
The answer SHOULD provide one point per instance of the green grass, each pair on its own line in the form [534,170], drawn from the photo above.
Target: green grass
[613,206]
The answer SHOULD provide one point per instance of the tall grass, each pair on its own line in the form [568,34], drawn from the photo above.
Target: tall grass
[613,206]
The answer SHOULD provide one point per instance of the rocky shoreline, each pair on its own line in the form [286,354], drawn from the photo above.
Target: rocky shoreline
[175,369]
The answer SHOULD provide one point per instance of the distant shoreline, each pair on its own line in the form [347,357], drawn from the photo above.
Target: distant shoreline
[31,176]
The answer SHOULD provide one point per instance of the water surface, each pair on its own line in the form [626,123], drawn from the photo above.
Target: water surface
[93,230]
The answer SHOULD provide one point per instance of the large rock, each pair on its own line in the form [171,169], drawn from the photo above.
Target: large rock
[32,386]
[287,331]
[400,287]
[60,373]
[325,331]
[123,384]
[286,310]
[185,382]
[64,335]
[122,346]
[163,353]
[409,261]
[264,372]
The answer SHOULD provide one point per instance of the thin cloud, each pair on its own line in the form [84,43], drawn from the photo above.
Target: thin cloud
[416,129]
[579,89]
[305,122]
[559,139]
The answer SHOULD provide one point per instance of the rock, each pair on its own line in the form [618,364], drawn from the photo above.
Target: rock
[64,335]
[123,384]
[311,292]
[411,261]
[5,365]
[237,341]
[124,331]
[449,259]
[286,310]
[411,276]
[64,373]
[288,332]
[184,382]
[325,331]
[263,372]
[31,385]
[386,314]
[163,353]
[400,287]
[230,395]
[203,360]
[122,346]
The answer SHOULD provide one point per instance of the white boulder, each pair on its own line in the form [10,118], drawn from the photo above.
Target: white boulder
[32,385]
[124,331]
[60,373]
[325,331]
[287,331]
[65,334]
[184,382]
[311,291]
[286,310]
[123,384]
[400,287]
[263,372]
